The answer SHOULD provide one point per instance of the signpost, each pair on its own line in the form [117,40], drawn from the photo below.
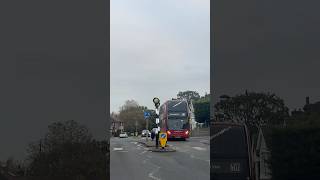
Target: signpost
[146,116]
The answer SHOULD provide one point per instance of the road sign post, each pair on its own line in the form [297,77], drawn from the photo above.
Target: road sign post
[146,117]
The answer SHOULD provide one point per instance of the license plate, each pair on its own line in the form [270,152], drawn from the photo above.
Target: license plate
[235,167]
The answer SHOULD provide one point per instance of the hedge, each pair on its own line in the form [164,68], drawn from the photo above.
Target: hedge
[295,153]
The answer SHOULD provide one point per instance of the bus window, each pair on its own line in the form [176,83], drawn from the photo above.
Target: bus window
[177,106]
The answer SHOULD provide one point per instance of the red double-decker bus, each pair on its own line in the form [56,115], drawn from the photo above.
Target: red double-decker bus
[174,116]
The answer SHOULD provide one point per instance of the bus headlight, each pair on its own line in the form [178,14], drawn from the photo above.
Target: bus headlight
[187,132]
[168,132]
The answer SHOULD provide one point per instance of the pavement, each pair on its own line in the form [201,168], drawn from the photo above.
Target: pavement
[131,159]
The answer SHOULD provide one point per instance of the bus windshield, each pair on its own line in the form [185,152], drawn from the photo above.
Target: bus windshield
[177,123]
[229,141]
[177,106]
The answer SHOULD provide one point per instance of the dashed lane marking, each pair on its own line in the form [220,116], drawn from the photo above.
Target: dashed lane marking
[199,148]
[117,149]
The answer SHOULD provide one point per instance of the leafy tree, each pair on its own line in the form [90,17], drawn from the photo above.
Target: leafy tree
[202,109]
[132,116]
[68,151]
[152,118]
[188,95]
[254,109]
[295,148]
[129,104]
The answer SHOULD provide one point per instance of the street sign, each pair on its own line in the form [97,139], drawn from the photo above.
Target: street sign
[163,139]
[146,114]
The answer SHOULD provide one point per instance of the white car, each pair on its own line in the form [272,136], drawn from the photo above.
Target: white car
[123,135]
[145,133]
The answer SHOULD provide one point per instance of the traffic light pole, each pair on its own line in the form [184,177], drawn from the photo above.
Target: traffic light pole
[158,128]
[156,102]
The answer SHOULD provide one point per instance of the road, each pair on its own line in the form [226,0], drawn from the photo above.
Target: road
[132,160]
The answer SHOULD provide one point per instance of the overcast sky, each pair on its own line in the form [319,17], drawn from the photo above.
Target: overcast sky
[53,65]
[267,46]
[158,48]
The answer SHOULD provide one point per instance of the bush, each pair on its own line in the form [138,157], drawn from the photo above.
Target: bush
[295,153]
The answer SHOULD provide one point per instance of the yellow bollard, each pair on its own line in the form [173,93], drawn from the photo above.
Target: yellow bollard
[163,139]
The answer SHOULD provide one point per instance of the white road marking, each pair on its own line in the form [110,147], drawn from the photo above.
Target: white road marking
[199,148]
[117,149]
[142,152]
[151,175]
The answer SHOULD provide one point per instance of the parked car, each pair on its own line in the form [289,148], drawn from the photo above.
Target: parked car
[123,135]
[145,133]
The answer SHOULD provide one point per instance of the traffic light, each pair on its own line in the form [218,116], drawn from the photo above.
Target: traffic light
[156,102]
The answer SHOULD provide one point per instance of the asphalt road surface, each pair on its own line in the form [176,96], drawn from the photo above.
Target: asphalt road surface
[132,160]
